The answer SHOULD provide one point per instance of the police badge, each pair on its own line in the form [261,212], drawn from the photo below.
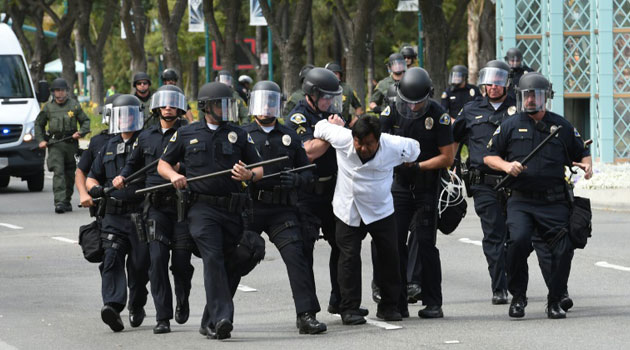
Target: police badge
[472,92]
[428,123]
[286,140]
[232,137]
[511,110]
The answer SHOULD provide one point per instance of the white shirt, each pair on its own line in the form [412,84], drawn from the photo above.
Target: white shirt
[363,191]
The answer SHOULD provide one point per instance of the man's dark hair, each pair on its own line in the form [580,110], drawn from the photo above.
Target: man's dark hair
[366,125]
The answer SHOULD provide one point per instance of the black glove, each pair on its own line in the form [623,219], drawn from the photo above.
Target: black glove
[97,192]
[377,109]
[290,180]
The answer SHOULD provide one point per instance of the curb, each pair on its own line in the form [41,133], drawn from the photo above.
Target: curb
[613,199]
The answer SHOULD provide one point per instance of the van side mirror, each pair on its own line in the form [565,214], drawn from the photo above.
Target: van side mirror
[43,91]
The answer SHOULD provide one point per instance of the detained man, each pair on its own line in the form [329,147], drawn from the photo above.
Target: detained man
[363,203]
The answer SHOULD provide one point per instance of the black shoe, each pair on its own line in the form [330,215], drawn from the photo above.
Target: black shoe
[332,309]
[376,293]
[389,315]
[136,318]
[566,302]
[60,208]
[554,311]
[499,297]
[308,324]
[223,330]
[413,293]
[517,307]
[350,319]
[67,206]
[182,311]
[162,327]
[111,317]
[431,311]
[204,331]
[404,314]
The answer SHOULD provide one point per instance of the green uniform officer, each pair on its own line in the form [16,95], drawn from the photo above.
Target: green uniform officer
[349,96]
[142,85]
[396,66]
[297,95]
[62,116]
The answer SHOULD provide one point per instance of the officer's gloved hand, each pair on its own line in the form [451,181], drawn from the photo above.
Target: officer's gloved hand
[97,192]
[290,180]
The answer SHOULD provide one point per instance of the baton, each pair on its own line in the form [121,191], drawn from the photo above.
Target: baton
[306,167]
[63,139]
[133,177]
[529,156]
[207,176]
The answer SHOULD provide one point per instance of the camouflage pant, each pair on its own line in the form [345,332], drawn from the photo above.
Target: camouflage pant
[63,165]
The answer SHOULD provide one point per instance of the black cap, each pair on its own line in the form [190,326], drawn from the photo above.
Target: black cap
[169,74]
[320,80]
[415,85]
[141,76]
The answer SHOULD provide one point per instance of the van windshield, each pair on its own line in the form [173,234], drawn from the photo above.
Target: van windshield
[14,82]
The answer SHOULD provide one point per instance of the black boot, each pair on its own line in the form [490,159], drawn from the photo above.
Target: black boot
[308,324]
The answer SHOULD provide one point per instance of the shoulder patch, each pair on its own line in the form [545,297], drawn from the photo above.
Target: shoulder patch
[445,119]
[298,118]
[386,112]
[174,137]
[444,94]
[497,131]
[576,133]
[249,139]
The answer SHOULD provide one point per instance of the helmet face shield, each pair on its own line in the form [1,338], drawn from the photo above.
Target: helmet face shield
[265,103]
[456,78]
[221,109]
[168,98]
[493,76]
[125,119]
[106,113]
[225,79]
[398,66]
[412,110]
[531,101]
[329,103]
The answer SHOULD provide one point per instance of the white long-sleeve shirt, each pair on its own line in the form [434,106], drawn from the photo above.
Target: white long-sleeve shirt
[363,191]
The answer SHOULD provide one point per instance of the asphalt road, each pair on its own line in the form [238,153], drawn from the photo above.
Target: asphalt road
[50,296]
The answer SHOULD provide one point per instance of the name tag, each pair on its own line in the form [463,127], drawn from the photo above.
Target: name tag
[453,97]
[479,117]
[522,130]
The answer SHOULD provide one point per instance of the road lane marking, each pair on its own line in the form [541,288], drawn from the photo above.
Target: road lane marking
[246,289]
[612,266]
[6,346]
[451,342]
[64,239]
[470,241]
[386,326]
[15,227]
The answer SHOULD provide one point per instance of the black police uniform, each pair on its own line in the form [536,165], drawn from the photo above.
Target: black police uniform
[474,126]
[516,74]
[275,210]
[214,216]
[163,230]
[538,205]
[119,234]
[89,155]
[454,98]
[316,205]
[415,198]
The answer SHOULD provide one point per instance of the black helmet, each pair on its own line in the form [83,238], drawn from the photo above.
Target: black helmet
[495,72]
[169,74]
[408,52]
[458,75]
[334,67]
[514,57]
[304,71]
[126,115]
[396,63]
[267,85]
[265,100]
[415,88]
[322,84]
[59,83]
[141,76]
[533,92]
[219,95]
[224,77]
[169,95]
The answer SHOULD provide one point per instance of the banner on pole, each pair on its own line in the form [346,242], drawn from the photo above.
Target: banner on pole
[195,16]
[407,6]
[256,17]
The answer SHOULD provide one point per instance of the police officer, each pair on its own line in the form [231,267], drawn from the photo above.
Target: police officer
[62,115]
[214,217]
[275,199]
[297,95]
[323,100]
[225,77]
[396,66]
[119,236]
[170,77]
[514,57]
[163,230]
[349,96]
[539,201]
[244,86]
[458,92]
[142,84]
[88,156]
[416,184]
[474,126]
[410,56]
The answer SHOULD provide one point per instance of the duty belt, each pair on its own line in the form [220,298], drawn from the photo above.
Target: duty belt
[234,203]
[278,196]
[219,201]
[478,177]
[117,206]
[162,199]
[554,194]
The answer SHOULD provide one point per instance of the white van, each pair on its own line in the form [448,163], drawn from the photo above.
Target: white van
[19,107]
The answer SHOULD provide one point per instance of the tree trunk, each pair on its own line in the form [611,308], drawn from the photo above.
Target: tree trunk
[78,58]
[226,42]
[170,23]
[473,40]
[310,41]
[291,66]
[135,30]
[487,36]
[261,70]
[370,62]
[194,80]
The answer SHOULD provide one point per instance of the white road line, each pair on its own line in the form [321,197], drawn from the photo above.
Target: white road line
[11,226]
[451,342]
[64,239]
[380,324]
[612,266]
[470,241]
[246,289]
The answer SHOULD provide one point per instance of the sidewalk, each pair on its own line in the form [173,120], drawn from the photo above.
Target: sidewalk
[616,199]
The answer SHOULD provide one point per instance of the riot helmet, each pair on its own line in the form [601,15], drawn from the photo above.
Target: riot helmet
[106,109]
[413,93]
[533,93]
[396,63]
[324,91]
[169,96]
[459,74]
[138,80]
[216,100]
[169,74]
[335,68]
[304,71]
[126,115]
[224,77]
[495,73]
[514,57]
[265,101]
[408,52]
[61,86]
[245,79]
